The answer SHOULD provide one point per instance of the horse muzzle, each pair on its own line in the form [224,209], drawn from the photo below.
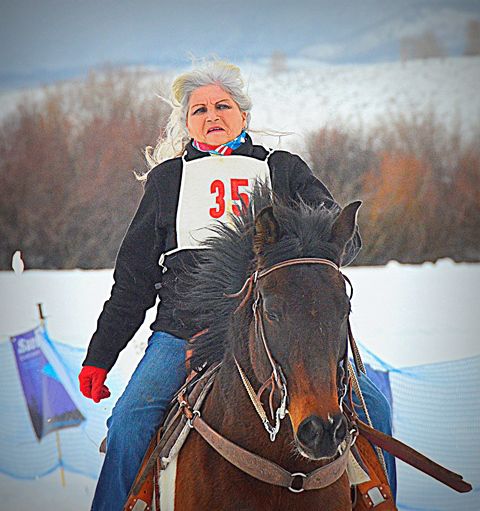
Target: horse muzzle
[318,439]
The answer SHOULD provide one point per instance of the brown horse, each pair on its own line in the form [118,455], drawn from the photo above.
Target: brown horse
[287,332]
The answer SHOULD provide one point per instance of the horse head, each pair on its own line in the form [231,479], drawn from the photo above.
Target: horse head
[302,320]
[302,310]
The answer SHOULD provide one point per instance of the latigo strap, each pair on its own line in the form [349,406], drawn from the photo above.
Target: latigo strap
[414,458]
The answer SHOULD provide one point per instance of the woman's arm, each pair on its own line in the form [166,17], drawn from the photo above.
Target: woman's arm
[133,291]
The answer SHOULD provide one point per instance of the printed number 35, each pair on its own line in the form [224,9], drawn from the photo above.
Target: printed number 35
[218,188]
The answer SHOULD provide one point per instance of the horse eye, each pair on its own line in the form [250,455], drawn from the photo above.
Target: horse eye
[272,316]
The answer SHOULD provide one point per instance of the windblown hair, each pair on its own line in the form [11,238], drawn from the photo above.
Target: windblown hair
[229,259]
[176,137]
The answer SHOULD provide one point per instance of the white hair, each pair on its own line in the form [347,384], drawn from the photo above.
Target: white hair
[175,137]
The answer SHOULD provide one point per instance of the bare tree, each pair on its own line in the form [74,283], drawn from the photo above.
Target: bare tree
[424,46]
[66,162]
[420,187]
[472,43]
[340,160]
[278,62]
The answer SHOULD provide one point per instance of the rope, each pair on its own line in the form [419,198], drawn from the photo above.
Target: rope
[251,393]
[355,351]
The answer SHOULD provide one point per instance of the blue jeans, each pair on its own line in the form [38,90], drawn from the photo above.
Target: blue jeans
[137,416]
[141,408]
[381,416]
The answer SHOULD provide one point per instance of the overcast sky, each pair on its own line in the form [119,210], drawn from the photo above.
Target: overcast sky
[51,35]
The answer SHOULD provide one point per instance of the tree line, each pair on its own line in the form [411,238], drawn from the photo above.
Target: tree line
[427,44]
[67,166]
[419,183]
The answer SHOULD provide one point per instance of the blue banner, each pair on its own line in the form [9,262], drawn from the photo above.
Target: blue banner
[49,404]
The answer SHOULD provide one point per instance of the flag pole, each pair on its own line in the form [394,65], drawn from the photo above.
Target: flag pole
[59,450]
[57,435]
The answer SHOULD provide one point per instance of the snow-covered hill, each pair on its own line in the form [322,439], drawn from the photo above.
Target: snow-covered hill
[309,95]
[85,34]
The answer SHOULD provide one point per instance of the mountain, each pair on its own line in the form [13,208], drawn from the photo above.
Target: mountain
[41,42]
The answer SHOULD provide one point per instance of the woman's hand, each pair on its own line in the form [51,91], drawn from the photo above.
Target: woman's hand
[92,381]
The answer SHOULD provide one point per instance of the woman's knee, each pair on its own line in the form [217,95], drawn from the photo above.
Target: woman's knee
[141,407]
[131,426]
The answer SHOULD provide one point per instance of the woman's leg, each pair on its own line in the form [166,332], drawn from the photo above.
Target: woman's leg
[381,416]
[137,416]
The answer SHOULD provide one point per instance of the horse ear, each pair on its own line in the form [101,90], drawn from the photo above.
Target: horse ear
[266,230]
[343,228]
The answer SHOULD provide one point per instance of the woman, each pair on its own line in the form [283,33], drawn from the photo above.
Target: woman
[201,170]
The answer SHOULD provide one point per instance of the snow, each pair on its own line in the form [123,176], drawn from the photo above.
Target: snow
[311,94]
[446,21]
[47,493]
[360,96]
[411,315]
[407,315]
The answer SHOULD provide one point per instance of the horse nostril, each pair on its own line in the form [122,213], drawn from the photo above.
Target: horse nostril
[310,430]
[340,428]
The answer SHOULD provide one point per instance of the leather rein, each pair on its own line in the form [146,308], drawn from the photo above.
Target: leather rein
[254,465]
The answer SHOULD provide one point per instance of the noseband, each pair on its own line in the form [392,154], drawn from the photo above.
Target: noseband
[277,379]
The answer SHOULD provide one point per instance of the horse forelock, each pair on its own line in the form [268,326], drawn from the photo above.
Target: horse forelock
[229,260]
[304,232]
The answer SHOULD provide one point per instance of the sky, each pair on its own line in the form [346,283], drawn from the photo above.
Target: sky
[49,39]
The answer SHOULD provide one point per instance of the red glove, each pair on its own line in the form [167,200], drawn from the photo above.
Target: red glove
[92,381]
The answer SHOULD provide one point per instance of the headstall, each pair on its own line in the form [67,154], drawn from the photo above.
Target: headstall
[277,379]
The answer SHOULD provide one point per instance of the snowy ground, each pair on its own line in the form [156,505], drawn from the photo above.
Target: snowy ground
[407,315]
[47,493]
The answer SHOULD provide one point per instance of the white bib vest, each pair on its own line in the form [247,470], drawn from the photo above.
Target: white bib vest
[212,189]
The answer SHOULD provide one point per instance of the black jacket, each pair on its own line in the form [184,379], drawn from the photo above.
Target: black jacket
[138,276]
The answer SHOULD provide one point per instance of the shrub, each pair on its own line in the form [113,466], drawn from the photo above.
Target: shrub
[66,163]
[420,183]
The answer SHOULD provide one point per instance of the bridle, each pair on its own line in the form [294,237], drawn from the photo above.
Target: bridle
[249,462]
[277,378]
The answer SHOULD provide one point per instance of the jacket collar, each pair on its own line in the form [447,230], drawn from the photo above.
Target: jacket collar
[246,149]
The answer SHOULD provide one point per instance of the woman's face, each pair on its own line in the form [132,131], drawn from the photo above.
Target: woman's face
[213,116]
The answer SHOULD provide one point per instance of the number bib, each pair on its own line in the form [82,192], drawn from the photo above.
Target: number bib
[211,189]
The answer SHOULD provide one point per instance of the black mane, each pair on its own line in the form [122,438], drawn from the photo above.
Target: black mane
[228,259]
